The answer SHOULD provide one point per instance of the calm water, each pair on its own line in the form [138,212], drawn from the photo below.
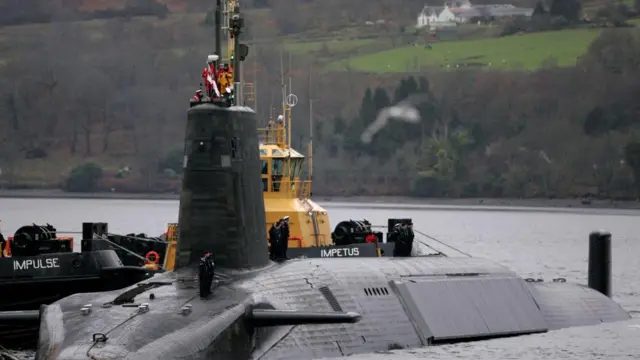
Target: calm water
[536,243]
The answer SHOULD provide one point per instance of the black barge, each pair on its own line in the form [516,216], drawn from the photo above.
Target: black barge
[38,268]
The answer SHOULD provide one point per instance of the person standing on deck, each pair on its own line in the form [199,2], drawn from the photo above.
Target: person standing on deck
[284,228]
[3,243]
[270,126]
[274,239]
[404,241]
[206,274]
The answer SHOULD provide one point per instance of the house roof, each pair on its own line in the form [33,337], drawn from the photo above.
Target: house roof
[496,10]
[432,10]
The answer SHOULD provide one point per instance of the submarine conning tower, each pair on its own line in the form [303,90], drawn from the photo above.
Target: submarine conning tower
[221,203]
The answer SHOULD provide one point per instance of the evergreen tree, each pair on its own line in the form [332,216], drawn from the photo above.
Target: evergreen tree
[367,109]
[380,100]
[539,9]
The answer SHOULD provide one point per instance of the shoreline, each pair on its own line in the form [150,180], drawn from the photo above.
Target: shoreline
[381,200]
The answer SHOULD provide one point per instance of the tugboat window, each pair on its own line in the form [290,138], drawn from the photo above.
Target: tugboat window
[278,165]
[276,173]
[265,167]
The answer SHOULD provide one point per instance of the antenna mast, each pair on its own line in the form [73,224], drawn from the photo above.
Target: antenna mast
[310,149]
[218,22]
[232,25]
[253,89]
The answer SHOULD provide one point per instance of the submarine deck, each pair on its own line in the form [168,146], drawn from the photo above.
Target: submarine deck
[404,302]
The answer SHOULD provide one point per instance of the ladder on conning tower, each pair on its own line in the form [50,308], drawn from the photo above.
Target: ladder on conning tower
[247,89]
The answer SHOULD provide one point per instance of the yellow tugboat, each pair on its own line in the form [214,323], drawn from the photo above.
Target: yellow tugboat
[285,192]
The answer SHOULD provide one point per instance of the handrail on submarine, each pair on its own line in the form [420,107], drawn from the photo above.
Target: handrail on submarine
[21,316]
[271,317]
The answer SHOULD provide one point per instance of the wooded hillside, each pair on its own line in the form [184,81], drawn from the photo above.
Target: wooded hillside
[112,93]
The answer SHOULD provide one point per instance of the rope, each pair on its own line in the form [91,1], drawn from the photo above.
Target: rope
[6,354]
[103,237]
[441,242]
[431,247]
[138,238]
[110,234]
[430,238]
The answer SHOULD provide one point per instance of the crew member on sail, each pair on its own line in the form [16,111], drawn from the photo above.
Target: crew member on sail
[225,78]
[209,75]
[197,97]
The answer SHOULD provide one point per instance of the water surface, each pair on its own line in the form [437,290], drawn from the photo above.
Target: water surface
[533,242]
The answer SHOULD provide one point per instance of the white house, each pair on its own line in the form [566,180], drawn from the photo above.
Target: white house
[458,4]
[461,11]
[447,15]
[427,17]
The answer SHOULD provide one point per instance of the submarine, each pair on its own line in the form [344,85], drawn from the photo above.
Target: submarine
[302,308]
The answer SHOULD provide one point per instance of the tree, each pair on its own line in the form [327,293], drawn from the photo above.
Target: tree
[569,9]
[615,51]
[539,9]
[596,122]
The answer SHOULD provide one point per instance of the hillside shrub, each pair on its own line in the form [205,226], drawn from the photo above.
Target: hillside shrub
[84,178]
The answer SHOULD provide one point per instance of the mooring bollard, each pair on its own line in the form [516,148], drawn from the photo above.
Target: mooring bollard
[600,262]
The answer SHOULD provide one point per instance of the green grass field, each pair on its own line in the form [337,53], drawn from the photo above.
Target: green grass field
[528,51]
[335,45]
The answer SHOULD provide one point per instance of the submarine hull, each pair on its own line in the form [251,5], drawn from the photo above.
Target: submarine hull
[407,302]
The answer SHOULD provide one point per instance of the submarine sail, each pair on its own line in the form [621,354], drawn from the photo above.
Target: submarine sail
[221,204]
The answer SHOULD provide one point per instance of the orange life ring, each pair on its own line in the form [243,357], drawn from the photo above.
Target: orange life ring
[156,257]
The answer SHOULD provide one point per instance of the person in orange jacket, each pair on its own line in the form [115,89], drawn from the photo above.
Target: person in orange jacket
[225,78]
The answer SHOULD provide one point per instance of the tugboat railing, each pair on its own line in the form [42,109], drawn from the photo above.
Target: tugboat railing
[290,189]
[273,136]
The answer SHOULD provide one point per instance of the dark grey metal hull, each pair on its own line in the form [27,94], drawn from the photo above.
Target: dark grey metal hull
[404,302]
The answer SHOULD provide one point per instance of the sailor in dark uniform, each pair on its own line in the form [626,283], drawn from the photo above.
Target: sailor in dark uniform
[274,239]
[206,272]
[394,233]
[404,240]
[284,240]
[3,242]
